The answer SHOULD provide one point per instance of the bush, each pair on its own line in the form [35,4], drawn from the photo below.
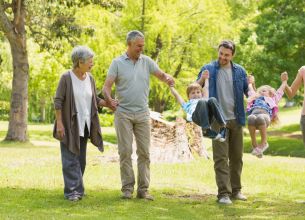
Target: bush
[171,115]
[106,119]
[4,110]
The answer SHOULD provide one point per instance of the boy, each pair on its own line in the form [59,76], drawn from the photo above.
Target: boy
[201,110]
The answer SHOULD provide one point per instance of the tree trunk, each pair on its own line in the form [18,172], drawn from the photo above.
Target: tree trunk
[159,46]
[182,57]
[143,17]
[159,105]
[42,110]
[17,129]
[16,35]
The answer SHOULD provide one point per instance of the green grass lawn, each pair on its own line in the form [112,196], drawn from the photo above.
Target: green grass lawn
[31,183]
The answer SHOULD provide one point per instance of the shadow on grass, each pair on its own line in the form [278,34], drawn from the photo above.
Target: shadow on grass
[106,204]
[279,146]
[286,141]
[19,145]
[285,129]
[48,136]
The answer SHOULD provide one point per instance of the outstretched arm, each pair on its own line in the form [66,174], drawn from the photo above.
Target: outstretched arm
[292,90]
[280,91]
[252,95]
[168,79]
[251,89]
[206,89]
[283,86]
[204,75]
[177,95]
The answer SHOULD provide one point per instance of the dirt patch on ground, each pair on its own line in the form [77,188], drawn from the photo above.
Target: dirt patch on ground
[201,197]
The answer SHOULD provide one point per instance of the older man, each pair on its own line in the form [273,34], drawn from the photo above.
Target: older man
[130,72]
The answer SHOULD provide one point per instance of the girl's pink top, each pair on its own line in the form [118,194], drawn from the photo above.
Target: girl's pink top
[271,101]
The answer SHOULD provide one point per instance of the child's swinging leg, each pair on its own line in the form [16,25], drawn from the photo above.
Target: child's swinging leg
[264,144]
[252,130]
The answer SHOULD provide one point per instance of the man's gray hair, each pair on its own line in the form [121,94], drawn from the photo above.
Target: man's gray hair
[81,53]
[132,35]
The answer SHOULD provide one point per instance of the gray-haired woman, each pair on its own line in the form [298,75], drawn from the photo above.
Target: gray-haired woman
[76,105]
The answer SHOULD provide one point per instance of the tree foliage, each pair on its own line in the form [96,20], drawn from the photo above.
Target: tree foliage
[275,39]
[180,35]
[51,24]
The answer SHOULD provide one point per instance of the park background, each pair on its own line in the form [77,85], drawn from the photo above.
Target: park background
[37,38]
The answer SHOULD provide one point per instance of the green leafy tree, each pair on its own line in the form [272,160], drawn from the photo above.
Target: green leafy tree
[275,39]
[47,22]
[12,24]
[180,36]
[106,41]
[5,79]
[45,71]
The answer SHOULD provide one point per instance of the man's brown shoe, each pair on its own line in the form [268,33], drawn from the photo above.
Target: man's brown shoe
[126,195]
[145,195]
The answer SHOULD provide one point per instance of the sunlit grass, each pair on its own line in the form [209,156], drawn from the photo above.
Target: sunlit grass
[44,132]
[31,183]
[31,187]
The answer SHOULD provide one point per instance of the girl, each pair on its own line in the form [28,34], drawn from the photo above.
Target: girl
[262,109]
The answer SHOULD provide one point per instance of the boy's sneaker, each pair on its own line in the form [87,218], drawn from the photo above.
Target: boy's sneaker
[210,134]
[73,198]
[222,132]
[265,147]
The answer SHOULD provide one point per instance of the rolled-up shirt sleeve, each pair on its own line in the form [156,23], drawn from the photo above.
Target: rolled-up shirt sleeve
[113,70]
[153,66]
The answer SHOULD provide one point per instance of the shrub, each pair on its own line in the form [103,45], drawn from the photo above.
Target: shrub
[4,110]
[106,119]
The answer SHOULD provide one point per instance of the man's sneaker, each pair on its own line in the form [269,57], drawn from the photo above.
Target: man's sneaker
[239,196]
[126,195]
[211,134]
[145,195]
[265,147]
[222,132]
[224,200]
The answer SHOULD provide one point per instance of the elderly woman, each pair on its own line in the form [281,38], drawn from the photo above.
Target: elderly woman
[76,105]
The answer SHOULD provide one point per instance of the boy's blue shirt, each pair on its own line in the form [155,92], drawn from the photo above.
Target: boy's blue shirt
[240,86]
[190,106]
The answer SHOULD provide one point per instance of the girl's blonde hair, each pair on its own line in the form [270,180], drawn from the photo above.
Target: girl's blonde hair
[275,118]
[193,86]
[266,87]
